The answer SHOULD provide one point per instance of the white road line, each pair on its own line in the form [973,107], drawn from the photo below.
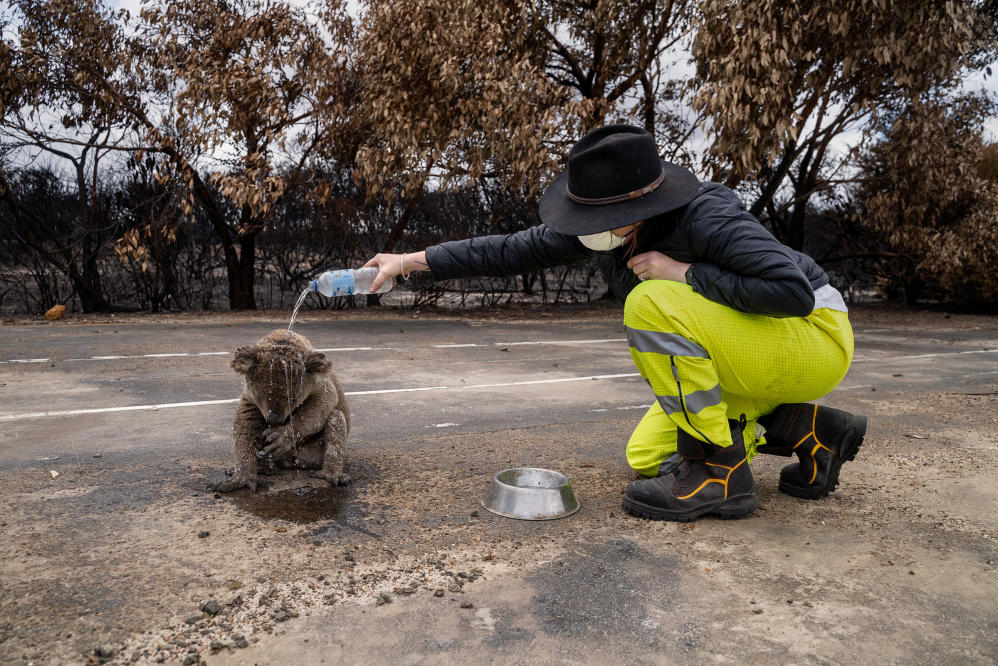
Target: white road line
[327,349]
[874,359]
[620,409]
[105,410]
[174,405]
[405,390]
[561,342]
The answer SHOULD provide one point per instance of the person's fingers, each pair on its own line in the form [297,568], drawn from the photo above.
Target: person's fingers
[636,259]
[373,261]
[637,262]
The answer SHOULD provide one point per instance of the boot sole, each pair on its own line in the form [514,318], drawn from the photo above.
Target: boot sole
[849,451]
[733,507]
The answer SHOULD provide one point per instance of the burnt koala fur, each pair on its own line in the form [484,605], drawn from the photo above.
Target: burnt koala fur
[292,413]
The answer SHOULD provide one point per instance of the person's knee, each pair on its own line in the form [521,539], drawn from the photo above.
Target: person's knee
[656,301]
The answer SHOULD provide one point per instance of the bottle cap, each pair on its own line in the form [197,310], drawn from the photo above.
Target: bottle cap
[313,285]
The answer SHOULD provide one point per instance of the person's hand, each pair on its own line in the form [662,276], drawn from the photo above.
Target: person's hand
[388,265]
[658,266]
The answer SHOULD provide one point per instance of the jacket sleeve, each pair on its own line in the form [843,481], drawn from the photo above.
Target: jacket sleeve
[738,262]
[502,255]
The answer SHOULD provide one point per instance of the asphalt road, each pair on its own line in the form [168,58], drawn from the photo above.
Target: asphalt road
[456,399]
[401,376]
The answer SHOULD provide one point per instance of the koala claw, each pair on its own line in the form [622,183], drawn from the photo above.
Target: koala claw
[226,486]
[340,479]
[229,485]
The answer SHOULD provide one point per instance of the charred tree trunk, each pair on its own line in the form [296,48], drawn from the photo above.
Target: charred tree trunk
[242,275]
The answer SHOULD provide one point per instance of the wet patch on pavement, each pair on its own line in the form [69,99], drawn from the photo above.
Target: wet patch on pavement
[304,504]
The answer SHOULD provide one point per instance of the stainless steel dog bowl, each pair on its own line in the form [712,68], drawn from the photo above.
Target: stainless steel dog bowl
[530,493]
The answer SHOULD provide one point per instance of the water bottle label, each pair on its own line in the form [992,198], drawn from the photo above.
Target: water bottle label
[342,283]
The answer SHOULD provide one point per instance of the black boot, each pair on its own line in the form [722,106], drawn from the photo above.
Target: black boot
[709,480]
[822,437]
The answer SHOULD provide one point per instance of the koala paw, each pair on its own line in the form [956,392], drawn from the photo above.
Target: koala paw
[231,484]
[280,440]
[335,479]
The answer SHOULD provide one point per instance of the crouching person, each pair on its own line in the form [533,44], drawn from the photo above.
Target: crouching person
[734,332]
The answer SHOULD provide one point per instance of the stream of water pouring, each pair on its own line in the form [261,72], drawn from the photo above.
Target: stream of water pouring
[294,313]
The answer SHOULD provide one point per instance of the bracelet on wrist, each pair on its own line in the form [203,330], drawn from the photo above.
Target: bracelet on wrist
[402,268]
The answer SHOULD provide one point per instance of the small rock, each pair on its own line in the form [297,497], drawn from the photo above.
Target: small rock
[454,587]
[438,593]
[211,607]
[385,598]
[104,651]
[217,645]
[240,642]
[98,455]
[809,604]
[467,604]
[282,528]
[194,619]
[613,515]
[217,495]
[757,611]
[474,514]
[348,557]
[281,616]
[203,534]
[911,571]
[136,655]
[53,473]
[191,659]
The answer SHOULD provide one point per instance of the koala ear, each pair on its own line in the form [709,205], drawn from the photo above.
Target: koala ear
[317,363]
[245,359]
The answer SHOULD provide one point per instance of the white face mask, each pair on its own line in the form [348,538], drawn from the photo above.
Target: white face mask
[604,241]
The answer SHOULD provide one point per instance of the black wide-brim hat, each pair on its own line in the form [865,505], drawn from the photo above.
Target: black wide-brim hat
[614,178]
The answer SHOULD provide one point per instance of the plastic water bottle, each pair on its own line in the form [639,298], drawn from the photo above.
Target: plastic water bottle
[348,282]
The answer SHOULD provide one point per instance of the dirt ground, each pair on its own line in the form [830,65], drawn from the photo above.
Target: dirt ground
[124,557]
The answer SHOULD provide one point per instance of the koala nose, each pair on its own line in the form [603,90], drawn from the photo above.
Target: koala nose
[274,419]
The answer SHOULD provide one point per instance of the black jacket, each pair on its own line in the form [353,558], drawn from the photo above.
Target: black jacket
[736,261]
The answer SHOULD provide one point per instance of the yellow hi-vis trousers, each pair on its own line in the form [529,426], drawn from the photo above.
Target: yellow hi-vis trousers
[708,363]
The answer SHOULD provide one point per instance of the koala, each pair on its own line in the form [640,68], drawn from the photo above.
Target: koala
[292,413]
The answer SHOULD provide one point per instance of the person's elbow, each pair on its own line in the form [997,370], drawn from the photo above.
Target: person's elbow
[788,299]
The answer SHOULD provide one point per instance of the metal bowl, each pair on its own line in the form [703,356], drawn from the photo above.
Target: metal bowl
[530,493]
